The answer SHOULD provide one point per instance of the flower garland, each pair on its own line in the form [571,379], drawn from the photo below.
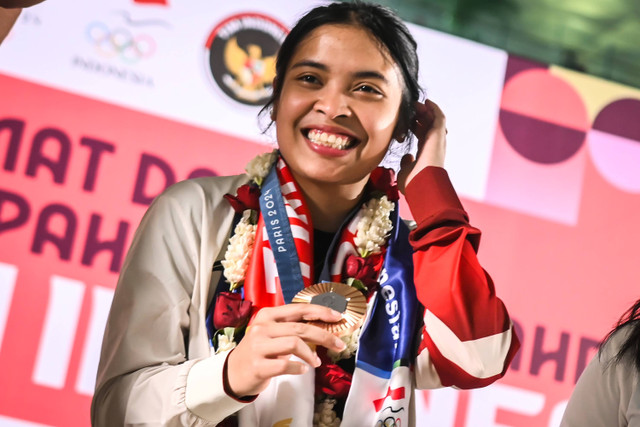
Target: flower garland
[324,415]
[232,313]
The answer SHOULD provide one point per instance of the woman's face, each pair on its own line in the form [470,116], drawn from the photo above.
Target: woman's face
[338,107]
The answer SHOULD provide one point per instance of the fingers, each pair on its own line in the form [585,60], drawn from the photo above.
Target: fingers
[301,331]
[269,368]
[429,127]
[285,347]
[428,115]
[278,343]
[252,365]
[425,113]
[296,313]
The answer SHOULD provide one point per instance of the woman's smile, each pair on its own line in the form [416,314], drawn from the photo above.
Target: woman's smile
[338,107]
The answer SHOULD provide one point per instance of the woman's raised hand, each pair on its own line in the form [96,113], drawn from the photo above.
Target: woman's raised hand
[430,129]
[274,336]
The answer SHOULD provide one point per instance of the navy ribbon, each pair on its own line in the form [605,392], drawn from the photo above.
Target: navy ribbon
[278,229]
[389,338]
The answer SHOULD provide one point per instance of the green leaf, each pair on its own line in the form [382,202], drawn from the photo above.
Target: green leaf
[357,284]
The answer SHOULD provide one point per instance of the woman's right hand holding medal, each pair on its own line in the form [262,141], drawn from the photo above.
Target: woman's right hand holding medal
[274,336]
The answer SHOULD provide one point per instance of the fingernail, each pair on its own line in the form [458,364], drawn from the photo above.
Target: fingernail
[340,344]
[318,361]
[304,368]
[336,313]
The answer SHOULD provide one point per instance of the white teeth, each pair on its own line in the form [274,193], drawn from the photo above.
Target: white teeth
[328,139]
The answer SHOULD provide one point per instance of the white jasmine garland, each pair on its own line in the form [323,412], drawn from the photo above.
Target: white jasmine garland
[351,342]
[236,259]
[372,230]
[225,340]
[374,226]
[258,168]
[324,415]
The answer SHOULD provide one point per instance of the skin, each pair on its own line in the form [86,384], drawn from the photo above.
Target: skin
[8,17]
[9,12]
[18,3]
[342,82]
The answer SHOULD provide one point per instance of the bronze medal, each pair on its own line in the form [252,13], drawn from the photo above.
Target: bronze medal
[340,297]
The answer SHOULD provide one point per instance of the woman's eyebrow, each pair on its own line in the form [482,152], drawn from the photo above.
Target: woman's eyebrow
[309,63]
[364,74]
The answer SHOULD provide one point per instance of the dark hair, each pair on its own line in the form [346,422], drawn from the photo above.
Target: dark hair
[631,345]
[380,22]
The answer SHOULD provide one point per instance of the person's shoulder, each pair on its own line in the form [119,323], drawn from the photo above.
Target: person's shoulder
[209,188]
[199,196]
[610,350]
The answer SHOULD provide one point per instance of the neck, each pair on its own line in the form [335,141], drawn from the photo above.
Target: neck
[329,204]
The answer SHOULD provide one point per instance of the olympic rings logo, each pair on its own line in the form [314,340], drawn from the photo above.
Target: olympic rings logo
[389,422]
[120,42]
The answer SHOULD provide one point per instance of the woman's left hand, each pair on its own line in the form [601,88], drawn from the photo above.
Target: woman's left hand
[430,129]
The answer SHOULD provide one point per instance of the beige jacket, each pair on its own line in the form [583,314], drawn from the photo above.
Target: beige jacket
[156,369]
[166,291]
[607,394]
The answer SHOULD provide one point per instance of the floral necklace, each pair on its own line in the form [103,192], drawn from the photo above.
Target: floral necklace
[373,227]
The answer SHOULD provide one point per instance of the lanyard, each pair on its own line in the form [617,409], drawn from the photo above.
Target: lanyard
[278,229]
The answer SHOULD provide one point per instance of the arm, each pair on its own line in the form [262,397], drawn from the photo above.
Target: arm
[155,333]
[156,366]
[468,339]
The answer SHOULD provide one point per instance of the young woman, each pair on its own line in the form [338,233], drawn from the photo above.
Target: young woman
[188,346]
[608,391]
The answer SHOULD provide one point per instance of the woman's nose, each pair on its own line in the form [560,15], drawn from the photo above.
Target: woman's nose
[332,102]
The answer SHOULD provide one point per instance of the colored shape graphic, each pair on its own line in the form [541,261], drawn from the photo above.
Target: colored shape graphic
[539,140]
[161,2]
[537,165]
[614,143]
[542,117]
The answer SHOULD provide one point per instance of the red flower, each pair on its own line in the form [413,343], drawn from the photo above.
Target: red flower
[383,180]
[248,198]
[365,269]
[333,381]
[230,310]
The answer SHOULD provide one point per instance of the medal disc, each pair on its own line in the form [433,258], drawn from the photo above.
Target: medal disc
[340,297]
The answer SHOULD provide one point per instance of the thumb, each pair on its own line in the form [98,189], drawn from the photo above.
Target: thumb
[406,165]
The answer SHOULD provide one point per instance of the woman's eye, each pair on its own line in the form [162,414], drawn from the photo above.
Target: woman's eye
[307,78]
[368,89]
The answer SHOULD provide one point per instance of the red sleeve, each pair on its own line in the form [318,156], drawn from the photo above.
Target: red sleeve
[468,337]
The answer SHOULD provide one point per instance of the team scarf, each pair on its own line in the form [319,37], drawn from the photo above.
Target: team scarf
[381,388]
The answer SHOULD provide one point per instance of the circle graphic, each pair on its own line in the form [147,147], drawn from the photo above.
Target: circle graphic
[614,143]
[241,53]
[542,117]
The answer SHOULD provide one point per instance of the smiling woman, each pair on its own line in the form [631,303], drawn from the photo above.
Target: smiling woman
[224,313]
[337,112]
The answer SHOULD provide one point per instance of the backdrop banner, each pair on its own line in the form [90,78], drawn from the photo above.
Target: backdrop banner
[106,103]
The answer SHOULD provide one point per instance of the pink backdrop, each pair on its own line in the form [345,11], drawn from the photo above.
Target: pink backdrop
[554,185]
